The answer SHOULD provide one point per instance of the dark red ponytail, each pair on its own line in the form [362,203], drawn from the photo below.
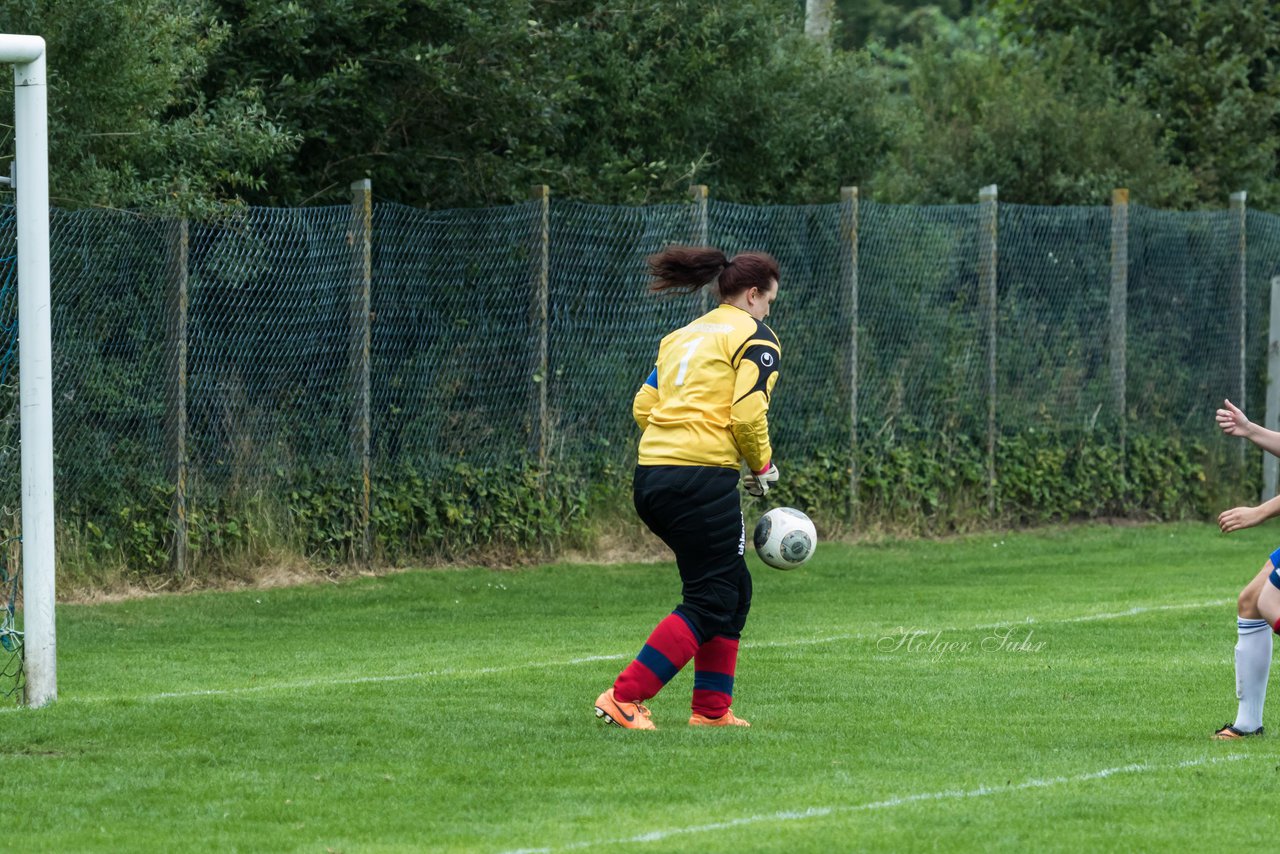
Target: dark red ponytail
[688,268]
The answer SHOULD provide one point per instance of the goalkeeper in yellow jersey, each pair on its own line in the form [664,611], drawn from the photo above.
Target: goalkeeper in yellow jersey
[703,409]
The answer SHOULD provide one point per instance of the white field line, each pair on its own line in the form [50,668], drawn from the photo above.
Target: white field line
[889,803]
[1113,615]
[305,684]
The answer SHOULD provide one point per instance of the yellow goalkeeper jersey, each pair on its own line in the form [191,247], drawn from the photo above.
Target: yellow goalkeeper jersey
[706,401]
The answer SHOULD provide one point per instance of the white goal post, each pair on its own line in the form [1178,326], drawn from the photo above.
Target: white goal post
[35,363]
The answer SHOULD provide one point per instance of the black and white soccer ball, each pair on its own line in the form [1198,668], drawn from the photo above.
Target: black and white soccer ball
[785,538]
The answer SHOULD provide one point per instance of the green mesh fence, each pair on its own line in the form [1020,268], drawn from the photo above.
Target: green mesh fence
[227,358]
[604,324]
[112,380]
[1054,285]
[269,381]
[1184,338]
[453,344]
[12,675]
[922,349]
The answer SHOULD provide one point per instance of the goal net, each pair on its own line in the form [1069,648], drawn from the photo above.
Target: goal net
[29,654]
[11,670]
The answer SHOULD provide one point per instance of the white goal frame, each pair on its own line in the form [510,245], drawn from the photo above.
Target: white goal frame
[35,363]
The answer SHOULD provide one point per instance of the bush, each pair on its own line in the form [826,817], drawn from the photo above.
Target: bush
[923,482]
[909,482]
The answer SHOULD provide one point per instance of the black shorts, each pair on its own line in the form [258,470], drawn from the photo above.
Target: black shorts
[697,512]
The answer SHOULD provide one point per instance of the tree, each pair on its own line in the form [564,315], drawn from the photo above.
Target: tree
[448,102]
[732,95]
[128,123]
[1208,70]
[468,103]
[1049,126]
[817,21]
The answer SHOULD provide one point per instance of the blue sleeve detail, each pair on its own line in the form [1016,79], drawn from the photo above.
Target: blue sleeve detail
[653,378]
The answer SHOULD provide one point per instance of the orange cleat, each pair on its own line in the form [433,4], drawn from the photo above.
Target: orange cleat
[727,719]
[1230,733]
[625,715]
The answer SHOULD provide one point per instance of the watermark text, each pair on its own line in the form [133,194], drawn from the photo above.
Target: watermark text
[939,643]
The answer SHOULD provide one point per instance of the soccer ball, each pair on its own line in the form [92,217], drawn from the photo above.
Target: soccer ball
[785,538]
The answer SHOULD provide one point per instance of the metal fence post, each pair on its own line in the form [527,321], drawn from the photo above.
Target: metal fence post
[541,196]
[361,343]
[987,263]
[1270,465]
[700,235]
[1118,315]
[178,252]
[849,233]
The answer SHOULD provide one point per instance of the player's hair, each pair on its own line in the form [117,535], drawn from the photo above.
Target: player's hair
[688,268]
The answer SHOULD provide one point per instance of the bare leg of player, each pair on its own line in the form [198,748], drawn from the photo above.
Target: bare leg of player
[1247,604]
[1253,653]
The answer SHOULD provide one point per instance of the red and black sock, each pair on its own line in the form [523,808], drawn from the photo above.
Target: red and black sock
[714,666]
[668,649]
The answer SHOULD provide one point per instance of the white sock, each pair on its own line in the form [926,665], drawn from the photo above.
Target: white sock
[1253,664]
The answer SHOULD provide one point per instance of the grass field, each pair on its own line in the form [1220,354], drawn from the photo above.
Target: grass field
[1051,691]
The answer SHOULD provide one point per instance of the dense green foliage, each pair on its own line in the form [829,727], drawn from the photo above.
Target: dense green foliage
[129,125]
[464,103]
[912,482]
[452,103]
[1207,71]
[925,482]
[445,100]
[1049,124]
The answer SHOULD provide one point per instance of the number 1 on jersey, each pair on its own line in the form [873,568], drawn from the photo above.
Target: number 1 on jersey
[684,363]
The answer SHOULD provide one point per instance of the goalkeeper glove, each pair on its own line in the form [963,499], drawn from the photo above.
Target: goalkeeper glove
[758,483]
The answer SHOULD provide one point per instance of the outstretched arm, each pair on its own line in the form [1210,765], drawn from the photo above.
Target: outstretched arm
[1239,518]
[1234,423]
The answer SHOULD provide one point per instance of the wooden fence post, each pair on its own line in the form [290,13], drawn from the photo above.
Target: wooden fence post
[987,263]
[1240,214]
[849,234]
[179,249]
[361,343]
[700,235]
[540,194]
[1118,317]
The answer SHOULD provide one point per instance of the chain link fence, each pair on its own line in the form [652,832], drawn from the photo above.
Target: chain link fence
[238,356]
